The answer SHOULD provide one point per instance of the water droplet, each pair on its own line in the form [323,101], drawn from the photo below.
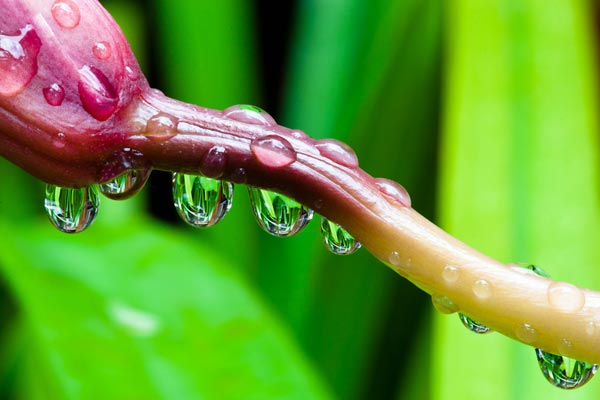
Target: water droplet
[450,274]
[564,372]
[125,185]
[161,127]
[277,214]
[273,151]
[482,289]
[239,175]
[296,134]
[132,73]
[526,333]
[59,141]
[18,60]
[394,258]
[213,163]
[337,239]
[565,297]
[102,50]
[249,114]
[590,328]
[444,304]
[66,13]
[201,201]
[472,325]
[338,151]
[71,210]
[534,268]
[98,96]
[54,94]
[394,190]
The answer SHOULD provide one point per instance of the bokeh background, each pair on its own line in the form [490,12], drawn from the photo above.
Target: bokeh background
[487,112]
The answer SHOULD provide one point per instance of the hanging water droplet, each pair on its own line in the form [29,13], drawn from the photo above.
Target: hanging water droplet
[472,325]
[125,185]
[564,372]
[54,94]
[278,214]
[66,13]
[560,371]
[337,239]
[98,96]
[71,210]
[201,201]
[18,60]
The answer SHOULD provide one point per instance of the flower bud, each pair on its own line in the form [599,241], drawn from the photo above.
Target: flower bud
[67,74]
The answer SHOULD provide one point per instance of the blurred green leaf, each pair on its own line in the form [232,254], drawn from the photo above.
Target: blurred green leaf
[137,311]
[519,172]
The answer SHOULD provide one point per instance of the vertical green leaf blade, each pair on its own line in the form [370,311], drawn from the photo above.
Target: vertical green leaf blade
[519,172]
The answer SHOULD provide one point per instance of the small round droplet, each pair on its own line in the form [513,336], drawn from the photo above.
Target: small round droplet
[71,210]
[249,114]
[338,151]
[213,163]
[125,185]
[394,190]
[132,73]
[201,201]
[565,297]
[239,175]
[277,214]
[18,60]
[273,151]
[102,50]
[450,274]
[66,13]
[98,96]
[444,304]
[564,372]
[482,289]
[54,94]
[590,328]
[473,326]
[59,141]
[161,127]
[394,258]
[337,239]
[526,333]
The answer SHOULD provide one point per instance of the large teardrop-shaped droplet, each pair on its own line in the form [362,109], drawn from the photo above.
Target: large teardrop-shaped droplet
[277,214]
[337,239]
[473,326]
[71,210]
[201,201]
[125,185]
[564,372]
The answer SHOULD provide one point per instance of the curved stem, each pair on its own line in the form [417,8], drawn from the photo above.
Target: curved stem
[557,317]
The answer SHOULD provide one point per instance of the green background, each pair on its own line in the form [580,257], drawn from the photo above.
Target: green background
[485,110]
